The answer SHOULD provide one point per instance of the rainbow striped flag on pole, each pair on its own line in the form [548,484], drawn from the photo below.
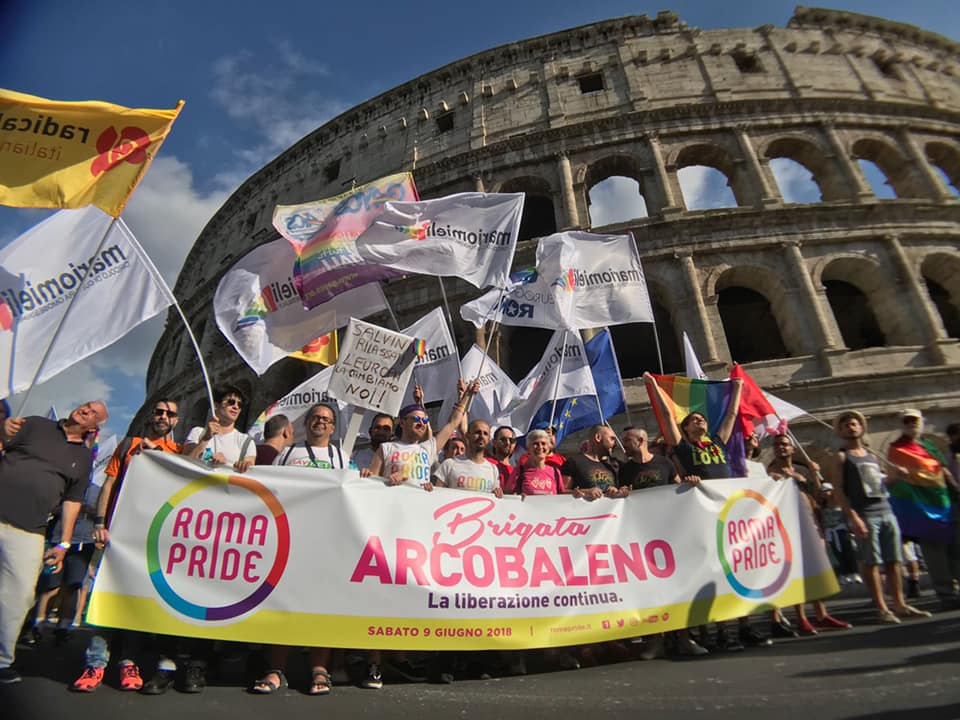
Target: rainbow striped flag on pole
[921,502]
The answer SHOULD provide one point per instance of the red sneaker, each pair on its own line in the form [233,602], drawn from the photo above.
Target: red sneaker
[89,681]
[828,622]
[806,629]
[130,677]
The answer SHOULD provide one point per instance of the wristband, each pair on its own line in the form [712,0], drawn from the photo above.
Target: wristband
[98,520]
[63,545]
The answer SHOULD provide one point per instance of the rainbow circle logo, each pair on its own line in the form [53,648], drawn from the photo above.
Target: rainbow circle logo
[243,606]
[753,545]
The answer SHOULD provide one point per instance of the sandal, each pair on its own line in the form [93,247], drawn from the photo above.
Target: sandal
[266,686]
[321,683]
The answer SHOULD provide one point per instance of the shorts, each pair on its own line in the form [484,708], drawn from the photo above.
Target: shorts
[882,544]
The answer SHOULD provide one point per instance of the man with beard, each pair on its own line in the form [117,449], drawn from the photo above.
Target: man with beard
[380,431]
[159,438]
[592,474]
[316,451]
[45,463]
[922,460]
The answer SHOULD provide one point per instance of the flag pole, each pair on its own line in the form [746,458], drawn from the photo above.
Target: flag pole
[446,307]
[158,278]
[656,341]
[486,350]
[556,384]
[63,319]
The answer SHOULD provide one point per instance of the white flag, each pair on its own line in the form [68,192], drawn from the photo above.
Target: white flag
[259,311]
[691,361]
[528,301]
[41,272]
[497,391]
[296,403]
[564,356]
[438,370]
[467,235]
[597,280]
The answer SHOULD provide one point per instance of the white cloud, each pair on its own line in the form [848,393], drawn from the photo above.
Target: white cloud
[616,199]
[274,95]
[705,188]
[795,181]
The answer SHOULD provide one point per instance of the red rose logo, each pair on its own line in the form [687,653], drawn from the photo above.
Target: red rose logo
[130,146]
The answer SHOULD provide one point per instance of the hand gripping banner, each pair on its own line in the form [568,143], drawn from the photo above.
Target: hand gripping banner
[324,558]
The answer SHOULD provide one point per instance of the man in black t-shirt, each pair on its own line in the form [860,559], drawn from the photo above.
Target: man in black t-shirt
[643,469]
[44,463]
[593,473]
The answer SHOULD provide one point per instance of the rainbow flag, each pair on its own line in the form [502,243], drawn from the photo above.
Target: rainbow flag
[420,348]
[921,502]
[710,398]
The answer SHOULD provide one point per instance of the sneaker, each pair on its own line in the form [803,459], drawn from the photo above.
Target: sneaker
[828,622]
[406,670]
[31,638]
[727,643]
[782,630]
[885,617]
[566,661]
[652,648]
[908,611]
[751,638]
[130,677]
[372,681]
[689,648]
[857,579]
[806,628]
[194,678]
[8,676]
[89,680]
[159,683]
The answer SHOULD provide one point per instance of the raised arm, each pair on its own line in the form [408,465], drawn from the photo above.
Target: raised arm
[458,417]
[730,416]
[671,433]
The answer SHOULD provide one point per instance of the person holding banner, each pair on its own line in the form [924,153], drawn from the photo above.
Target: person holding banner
[536,475]
[592,474]
[411,458]
[501,455]
[277,435]
[472,471]
[320,422]
[45,463]
[380,431]
[220,443]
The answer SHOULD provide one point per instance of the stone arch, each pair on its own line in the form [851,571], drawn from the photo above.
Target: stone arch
[614,174]
[811,156]
[634,343]
[709,155]
[539,214]
[754,313]
[891,163]
[863,303]
[941,274]
[945,158]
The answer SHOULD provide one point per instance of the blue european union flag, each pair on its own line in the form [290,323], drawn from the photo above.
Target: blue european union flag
[577,413]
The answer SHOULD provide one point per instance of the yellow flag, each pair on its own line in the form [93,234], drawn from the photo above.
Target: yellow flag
[323,350]
[73,154]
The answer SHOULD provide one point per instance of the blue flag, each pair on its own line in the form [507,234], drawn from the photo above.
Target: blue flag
[577,413]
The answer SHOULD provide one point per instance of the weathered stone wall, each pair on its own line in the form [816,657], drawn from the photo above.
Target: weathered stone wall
[644,98]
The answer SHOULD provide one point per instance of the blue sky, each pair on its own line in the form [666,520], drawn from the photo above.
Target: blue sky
[258,76]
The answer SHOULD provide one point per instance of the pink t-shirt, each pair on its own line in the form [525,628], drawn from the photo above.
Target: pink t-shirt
[536,481]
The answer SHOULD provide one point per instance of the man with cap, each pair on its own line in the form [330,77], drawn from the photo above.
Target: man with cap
[865,501]
[940,543]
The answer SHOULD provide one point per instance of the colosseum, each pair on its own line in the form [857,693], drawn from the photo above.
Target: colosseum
[845,293]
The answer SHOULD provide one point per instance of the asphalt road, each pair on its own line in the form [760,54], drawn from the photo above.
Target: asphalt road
[910,671]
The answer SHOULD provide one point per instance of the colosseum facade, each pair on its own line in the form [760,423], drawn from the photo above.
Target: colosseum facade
[851,298]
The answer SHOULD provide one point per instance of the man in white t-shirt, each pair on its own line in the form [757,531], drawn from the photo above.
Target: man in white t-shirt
[472,472]
[220,443]
[317,451]
[410,458]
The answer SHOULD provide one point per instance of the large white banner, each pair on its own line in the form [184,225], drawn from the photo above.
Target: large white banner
[467,235]
[109,284]
[324,558]
[259,311]
[597,280]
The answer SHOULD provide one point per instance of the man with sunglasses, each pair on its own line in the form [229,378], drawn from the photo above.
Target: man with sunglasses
[219,442]
[380,431]
[124,644]
[501,455]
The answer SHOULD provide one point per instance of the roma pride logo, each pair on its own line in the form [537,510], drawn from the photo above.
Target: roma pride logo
[214,555]
[753,545]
